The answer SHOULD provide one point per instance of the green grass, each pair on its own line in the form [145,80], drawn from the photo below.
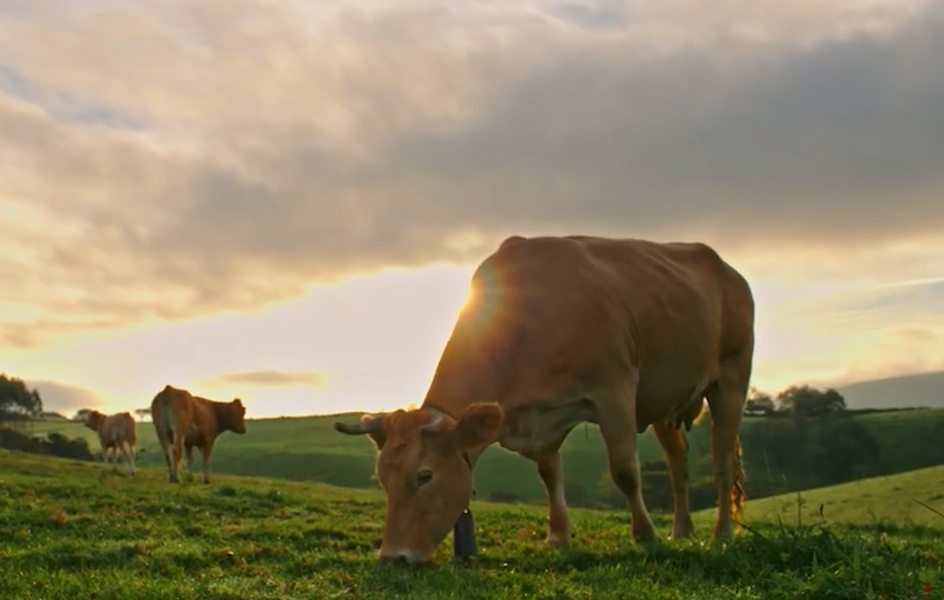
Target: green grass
[69,530]
[308,448]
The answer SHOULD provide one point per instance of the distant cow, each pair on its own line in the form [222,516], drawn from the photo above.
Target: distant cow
[183,421]
[115,432]
[563,330]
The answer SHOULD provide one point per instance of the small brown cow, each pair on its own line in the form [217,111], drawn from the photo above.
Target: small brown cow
[557,331]
[184,421]
[115,432]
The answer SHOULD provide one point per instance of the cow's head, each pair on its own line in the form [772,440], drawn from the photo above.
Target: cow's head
[93,420]
[423,468]
[234,416]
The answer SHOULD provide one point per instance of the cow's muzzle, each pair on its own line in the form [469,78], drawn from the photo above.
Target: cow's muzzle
[403,555]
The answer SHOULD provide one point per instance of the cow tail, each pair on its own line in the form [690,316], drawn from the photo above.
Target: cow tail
[738,497]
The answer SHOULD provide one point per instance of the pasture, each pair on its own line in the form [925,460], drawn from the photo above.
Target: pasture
[308,448]
[70,530]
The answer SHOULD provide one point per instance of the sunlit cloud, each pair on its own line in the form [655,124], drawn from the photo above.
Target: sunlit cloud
[266,378]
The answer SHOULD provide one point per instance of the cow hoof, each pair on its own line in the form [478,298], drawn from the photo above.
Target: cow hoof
[682,530]
[557,540]
[645,535]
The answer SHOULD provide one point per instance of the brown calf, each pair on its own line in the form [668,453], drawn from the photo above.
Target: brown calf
[115,432]
[184,421]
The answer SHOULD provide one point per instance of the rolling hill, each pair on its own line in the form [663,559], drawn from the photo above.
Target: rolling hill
[920,389]
[308,448]
[71,530]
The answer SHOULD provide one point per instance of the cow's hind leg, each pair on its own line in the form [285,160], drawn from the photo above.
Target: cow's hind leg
[188,451]
[616,414]
[165,436]
[205,451]
[552,475]
[726,399]
[675,448]
[104,455]
[130,456]
[123,445]
[178,450]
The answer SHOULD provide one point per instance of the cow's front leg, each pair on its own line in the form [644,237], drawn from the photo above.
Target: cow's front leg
[205,451]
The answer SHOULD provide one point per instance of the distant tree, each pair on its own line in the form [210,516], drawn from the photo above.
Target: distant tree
[759,403]
[81,414]
[844,449]
[577,493]
[781,447]
[17,402]
[806,401]
[503,497]
[656,488]
[142,413]
[607,494]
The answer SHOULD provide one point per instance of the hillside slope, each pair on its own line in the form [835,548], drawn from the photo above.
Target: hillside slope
[922,389]
[891,501]
[71,530]
[308,448]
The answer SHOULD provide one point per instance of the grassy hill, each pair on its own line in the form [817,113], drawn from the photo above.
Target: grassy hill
[921,389]
[70,530]
[308,448]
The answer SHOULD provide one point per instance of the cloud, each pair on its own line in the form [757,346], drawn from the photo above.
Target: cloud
[835,337]
[63,397]
[267,378]
[231,154]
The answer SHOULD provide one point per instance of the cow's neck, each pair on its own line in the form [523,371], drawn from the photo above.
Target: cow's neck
[473,368]
[466,372]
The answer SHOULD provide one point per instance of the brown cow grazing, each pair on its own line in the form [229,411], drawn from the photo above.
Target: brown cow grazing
[563,330]
[184,421]
[115,432]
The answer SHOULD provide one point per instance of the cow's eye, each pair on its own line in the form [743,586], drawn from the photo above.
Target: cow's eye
[424,477]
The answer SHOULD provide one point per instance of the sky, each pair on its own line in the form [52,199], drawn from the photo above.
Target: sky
[284,201]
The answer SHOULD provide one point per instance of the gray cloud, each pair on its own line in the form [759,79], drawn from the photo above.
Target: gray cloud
[230,167]
[268,378]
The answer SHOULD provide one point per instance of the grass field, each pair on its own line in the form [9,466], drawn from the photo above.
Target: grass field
[69,530]
[308,448]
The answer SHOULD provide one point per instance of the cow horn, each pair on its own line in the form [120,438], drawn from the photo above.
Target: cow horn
[434,422]
[366,426]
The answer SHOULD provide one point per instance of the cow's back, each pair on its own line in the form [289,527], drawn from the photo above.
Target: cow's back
[123,427]
[172,410]
[203,425]
[117,428]
[687,308]
[603,308]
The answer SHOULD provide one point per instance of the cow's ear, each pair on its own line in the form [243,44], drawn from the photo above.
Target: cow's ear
[479,425]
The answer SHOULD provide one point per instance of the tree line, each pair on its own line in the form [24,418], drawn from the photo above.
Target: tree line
[807,438]
[18,406]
